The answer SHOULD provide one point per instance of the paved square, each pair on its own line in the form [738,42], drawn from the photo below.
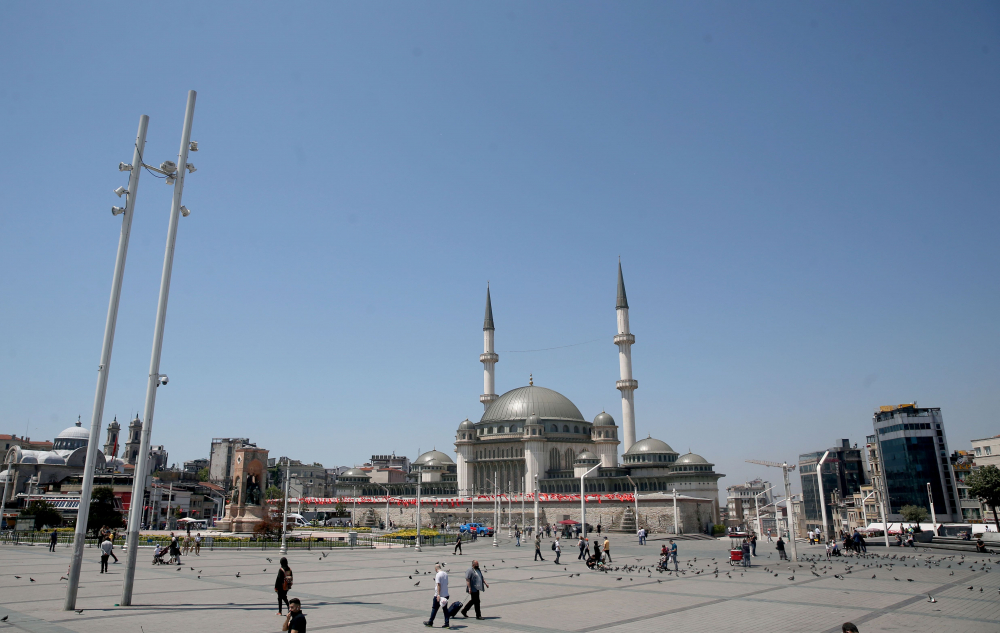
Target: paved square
[366,590]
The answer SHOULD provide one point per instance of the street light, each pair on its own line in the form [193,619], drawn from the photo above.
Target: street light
[386,504]
[822,496]
[416,548]
[635,487]
[284,513]
[756,503]
[496,515]
[535,495]
[785,467]
[583,502]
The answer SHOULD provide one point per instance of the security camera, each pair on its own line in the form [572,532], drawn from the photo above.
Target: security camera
[193,146]
[191,168]
[120,190]
[117,210]
[169,180]
[168,166]
[163,379]
[185,211]
[124,167]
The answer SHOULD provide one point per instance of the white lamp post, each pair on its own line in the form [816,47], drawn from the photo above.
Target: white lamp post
[583,501]
[284,512]
[822,496]
[416,547]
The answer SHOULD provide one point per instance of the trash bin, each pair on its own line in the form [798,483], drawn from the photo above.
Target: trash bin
[352,538]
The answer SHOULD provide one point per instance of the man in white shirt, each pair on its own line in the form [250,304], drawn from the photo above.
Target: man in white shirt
[105,553]
[440,596]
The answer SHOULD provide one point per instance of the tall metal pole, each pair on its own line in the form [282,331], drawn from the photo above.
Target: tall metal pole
[930,499]
[536,504]
[524,488]
[583,501]
[141,468]
[170,500]
[3,501]
[416,547]
[80,535]
[677,526]
[496,509]
[284,512]
[822,496]
[791,513]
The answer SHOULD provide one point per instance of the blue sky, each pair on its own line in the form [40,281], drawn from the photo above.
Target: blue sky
[803,195]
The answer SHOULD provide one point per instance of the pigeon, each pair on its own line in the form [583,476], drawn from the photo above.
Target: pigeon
[4,618]
[909,580]
[897,580]
[931,598]
[31,579]
[238,574]
[416,583]
[411,577]
[16,576]
[970,588]
[271,561]
[873,575]
[78,611]
[192,569]
[791,577]
[619,578]
[63,578]
[838,576]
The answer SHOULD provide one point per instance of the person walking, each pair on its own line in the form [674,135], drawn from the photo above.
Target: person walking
[296,620]
[753,545]
[607,550]
[282,584]
[175,550]
[474,585]
[53,538]
[538,546]
[597,550]
[780,545]
[673,554]
[458,545]
[745,547]
[197,545]
[111,537]
[440,596]
[105,553]
[583,548]
[598,529]
[517,535]
[557,547]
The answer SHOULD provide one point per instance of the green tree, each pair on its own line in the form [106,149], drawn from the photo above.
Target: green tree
[45,514]
[914,514]
[102,510]
[984,482]
[203,474]
[274,493]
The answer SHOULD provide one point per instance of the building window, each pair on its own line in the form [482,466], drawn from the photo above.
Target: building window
[576,429]
[565,428]
[989,450]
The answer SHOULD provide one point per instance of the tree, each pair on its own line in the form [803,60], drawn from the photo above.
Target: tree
[102,510]
[984,482]
[274,493]
[203,474]
[914,514]
[45,514]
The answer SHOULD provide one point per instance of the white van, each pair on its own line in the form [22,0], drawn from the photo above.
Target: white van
[297,520]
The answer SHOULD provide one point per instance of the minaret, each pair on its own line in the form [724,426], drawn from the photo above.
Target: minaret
[624,340]
[111,445]
[489,357]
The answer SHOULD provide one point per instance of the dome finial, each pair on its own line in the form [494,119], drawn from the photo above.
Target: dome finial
[531,380]
[78,423]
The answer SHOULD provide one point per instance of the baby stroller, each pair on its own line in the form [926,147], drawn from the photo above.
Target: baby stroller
[158,556]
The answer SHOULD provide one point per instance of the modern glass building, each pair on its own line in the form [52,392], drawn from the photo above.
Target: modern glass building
[843,473]
[911,451]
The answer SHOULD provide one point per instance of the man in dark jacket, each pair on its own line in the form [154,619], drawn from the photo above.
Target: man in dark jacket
[474,584]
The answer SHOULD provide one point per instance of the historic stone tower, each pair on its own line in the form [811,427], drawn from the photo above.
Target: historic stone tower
[134,439]
[111,444]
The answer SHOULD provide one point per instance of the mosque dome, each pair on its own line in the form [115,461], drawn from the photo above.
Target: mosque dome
[72,438]
[586,456]
[354,472]
[466,425]
[650,445]
[691,458]
[440,458]
[604,419]
[518,404]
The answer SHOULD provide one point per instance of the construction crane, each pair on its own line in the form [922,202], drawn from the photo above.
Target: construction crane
[785,467]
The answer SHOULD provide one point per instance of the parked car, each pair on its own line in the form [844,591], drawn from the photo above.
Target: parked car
[478,528]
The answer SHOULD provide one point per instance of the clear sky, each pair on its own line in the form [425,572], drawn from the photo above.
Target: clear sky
[804,197]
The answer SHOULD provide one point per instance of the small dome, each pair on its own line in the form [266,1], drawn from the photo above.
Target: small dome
[354,472]
[586,456]
[442,458]
[75,432]
[650,445]
[52,458]
[691,458]
[533,419]
[466,425]
[604,419]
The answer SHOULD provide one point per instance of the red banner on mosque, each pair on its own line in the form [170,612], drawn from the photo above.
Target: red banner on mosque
[459,501]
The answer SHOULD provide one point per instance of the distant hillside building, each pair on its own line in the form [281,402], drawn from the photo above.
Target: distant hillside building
[843,474]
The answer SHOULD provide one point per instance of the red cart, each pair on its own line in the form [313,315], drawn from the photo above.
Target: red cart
[736,556]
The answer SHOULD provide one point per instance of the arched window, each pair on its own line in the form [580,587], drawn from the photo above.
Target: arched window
[576,429]
[534,431]
[555,429]
[565,428]
[554,459]
[569,458]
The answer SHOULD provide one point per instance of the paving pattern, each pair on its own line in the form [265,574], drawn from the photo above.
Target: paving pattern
[376,590]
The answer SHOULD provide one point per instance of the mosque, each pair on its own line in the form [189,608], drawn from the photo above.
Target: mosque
[532,436]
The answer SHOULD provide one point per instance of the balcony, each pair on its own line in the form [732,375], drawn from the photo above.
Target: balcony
[624,338]
[489,357]
[627,385]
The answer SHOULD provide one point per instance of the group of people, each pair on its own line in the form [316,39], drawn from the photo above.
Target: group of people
[475,584]
[601,554]
[668,554]
[106,537]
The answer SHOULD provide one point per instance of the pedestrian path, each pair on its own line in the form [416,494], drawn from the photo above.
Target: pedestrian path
[355,590]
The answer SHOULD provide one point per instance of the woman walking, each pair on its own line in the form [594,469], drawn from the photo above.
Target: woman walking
[283,583]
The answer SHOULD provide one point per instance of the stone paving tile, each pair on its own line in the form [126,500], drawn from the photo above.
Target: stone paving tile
[365,590]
